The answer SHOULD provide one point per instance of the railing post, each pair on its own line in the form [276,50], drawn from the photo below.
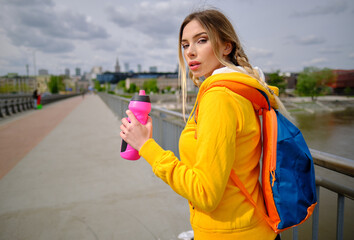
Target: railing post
[295,233]
[340,216]
[316,216]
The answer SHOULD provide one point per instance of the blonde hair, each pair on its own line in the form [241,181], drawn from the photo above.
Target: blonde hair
[219,30]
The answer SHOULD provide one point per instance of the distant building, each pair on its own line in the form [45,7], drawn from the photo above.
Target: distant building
[117,66]
[113,78]
[139,68]
[95,71]
[343,81]
[153,69]
[291,80]
[42,72]
[42,83]
[82,84]
[77,72]
[67,72]
[126,66]
[164,80]
[15,83]
[139,78]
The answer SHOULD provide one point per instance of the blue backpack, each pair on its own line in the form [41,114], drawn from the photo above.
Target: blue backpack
[288,176]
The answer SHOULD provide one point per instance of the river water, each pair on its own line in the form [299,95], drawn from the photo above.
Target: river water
[331,133]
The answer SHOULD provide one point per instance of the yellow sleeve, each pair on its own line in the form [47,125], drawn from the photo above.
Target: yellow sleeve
[203,184]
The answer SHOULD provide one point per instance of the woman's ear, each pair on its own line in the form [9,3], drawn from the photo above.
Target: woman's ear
[227,48]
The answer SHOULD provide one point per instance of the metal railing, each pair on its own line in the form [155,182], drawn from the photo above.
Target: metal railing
[168,126]
[11,104]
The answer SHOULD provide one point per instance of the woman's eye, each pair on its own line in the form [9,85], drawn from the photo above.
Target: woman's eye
[184,46]
[202,40]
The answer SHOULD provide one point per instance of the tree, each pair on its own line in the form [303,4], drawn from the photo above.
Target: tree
[98,86]
[121,84]
[347,91]
[275,79]
[133,88]
[313,81]
[56,84]
[151,86]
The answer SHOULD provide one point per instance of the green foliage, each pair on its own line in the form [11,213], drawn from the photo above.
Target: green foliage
[347,91]
[313,81]
[168,88]
[121,85]
[275,79]
[151,86]
[14,88]
[6,88]
[133,88]
[98,86]
[56,84]
[126,95]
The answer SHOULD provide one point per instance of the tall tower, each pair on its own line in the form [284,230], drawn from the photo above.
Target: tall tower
[126,66]
[77,71]
[67,72]
[117,67]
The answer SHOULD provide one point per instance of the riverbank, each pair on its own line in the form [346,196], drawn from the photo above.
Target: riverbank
[321,104]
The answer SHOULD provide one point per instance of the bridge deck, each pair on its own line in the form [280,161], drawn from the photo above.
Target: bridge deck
[62,178]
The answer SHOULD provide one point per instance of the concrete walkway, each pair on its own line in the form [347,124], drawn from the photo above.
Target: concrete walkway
[72,184]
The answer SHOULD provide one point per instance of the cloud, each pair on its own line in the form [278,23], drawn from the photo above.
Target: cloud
[315,62]
[307,40]
[260,53]
[26,3]
[351,55]
[329,50]
[333,7]
[38,25]
[160,18]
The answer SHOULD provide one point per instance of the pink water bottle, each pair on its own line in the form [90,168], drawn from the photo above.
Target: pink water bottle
[140,106]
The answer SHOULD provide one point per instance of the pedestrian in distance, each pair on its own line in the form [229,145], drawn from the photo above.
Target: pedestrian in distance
[223,135]
[35,98]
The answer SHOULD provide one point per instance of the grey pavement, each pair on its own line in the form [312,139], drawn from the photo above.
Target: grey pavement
[75,185]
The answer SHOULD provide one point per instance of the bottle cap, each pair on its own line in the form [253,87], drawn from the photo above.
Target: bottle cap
[141,97]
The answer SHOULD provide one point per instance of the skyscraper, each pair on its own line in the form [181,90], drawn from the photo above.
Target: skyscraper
[153,69]
[77,71]
[126,66]
[67,72]
[117,67]
[42,72]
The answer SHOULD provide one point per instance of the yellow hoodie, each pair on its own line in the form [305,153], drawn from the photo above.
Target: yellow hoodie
[226,136]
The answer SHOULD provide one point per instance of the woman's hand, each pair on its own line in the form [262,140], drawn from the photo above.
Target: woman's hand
[135,133]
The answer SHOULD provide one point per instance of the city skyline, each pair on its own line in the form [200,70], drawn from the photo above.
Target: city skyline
[276,35]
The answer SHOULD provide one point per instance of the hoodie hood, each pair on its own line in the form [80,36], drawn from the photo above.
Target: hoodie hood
[243,78]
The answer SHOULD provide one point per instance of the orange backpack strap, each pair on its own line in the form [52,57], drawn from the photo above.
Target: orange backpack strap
[258,98]
[243,189]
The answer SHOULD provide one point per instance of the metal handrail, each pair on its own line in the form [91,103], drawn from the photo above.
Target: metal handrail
[329,161]
[335,187]
[333,162]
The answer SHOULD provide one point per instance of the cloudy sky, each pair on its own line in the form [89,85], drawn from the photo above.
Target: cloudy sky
[276,34]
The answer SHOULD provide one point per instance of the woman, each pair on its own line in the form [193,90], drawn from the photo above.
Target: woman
[226,135]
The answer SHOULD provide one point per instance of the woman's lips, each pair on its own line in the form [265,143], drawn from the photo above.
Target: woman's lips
[194,65]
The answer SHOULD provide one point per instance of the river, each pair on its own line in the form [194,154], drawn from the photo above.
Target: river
[329,132]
